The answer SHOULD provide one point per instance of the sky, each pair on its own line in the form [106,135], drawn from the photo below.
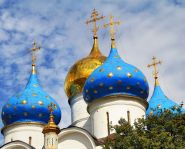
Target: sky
[148,28]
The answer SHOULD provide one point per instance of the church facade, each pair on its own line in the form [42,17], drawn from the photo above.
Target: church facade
[100,91]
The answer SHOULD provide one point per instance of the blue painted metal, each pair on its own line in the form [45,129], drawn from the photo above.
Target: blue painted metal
[159,101]
[115,77]
[30,106]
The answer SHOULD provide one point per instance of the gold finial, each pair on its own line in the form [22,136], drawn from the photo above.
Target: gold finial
[155,73]
[94,18]
[112,23]
[34,50]
[51,126]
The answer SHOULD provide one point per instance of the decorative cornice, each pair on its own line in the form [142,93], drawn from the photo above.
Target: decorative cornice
[21,123]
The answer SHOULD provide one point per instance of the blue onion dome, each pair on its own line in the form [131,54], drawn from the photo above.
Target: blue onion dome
[115,77]
[159,101]
[31,105]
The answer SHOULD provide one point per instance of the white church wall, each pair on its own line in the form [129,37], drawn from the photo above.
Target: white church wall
[79,115]
[75,138]
[117,108]
[29,133]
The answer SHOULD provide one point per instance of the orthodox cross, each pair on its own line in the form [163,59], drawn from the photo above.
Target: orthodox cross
[154,64]
[34,50]
[111,24]
[94,18]
[51,107]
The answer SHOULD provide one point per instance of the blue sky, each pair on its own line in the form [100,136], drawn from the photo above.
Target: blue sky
[149,28]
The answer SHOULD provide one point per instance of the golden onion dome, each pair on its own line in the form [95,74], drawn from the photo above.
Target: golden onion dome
[82,69]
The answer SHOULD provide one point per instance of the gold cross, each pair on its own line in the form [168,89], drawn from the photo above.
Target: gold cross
[51,107]
[112,23]
[34,50]
[94,18]
[154,64]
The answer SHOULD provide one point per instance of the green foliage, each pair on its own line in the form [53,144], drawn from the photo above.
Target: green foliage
[164,130]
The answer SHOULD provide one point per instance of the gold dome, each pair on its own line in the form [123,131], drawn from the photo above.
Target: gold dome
[82,69]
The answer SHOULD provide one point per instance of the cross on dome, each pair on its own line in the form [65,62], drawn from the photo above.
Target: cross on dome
[51,126]
[111,24]
[51,107]
[155,73]
[94,18]
[34,50]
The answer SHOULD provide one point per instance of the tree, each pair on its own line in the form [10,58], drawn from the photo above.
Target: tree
[164,130]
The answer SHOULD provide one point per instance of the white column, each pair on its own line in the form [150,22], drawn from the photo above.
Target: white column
[30,133]
[79,115]
[116,107]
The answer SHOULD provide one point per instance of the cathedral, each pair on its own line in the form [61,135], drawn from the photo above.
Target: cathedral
[100,91]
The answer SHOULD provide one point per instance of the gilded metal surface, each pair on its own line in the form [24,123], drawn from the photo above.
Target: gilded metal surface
[24,102]
[111,24]
[129,74]
[33,69]
[40,103]
[34,50]
[51,126]
[110,75]
[155,73]
[94,18]
[119,67]
[82,69]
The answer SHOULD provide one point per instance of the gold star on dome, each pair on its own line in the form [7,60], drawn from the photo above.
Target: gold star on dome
[94,18]
[155,73]
[111,24]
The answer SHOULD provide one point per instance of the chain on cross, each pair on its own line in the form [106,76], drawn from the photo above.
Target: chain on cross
[154,64]
[94,18]
[34,50]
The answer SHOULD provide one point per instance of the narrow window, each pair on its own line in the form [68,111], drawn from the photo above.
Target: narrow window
[108,123]
[11,139]
[47,141]
[128,116]
[52,141]
[30,140]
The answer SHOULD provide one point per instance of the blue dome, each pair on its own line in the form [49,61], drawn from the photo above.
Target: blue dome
[159,101]
[30,106]
[114,77]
